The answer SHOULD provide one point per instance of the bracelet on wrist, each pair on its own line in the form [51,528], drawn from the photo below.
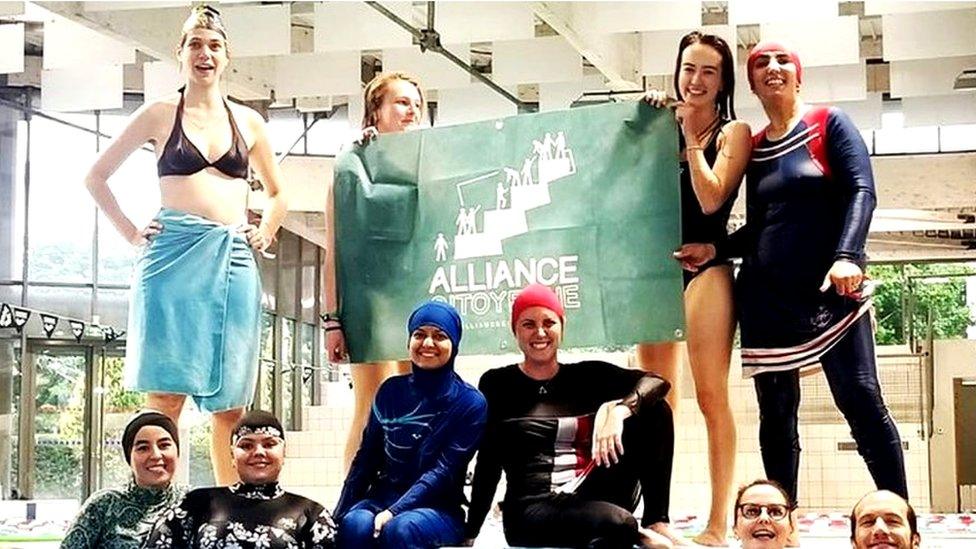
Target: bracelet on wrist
[694,148]
[331,317]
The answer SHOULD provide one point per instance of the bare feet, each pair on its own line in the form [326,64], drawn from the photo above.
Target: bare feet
[652,540]
[665,530]
[709,538]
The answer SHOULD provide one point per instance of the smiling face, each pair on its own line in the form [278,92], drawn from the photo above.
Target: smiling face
[430,347]
[153,457]
[700,74]
[539,331]
[881,521]
[258,458]
[762,518]
[203,56]
[774,74]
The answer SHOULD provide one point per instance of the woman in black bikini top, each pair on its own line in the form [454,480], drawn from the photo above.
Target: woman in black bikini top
[194,318]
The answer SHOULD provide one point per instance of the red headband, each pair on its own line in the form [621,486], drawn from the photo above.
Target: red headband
[536,295]
[770,46]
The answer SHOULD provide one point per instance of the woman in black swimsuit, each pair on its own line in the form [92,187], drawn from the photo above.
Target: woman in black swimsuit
[194,318]
[255,513]
[715,150]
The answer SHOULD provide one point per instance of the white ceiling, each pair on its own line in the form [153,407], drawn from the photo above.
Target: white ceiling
[313,49]
[314,55]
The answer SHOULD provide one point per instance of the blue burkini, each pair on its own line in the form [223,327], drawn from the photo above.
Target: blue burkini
[423,430]
[194,317]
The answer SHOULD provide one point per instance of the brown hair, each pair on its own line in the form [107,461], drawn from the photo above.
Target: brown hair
[760,482]
[909,515]
[376,89]
[203,17]
[724,99]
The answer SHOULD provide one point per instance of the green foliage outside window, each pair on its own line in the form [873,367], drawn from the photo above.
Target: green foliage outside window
[58,426]
[945,296]
[58,471]
[118,399]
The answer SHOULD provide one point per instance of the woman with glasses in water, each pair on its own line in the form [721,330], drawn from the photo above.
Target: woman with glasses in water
[763,516]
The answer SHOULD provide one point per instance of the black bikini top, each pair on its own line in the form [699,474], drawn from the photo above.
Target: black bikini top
[181,157]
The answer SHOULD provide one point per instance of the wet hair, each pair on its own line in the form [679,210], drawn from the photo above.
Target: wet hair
[725,96]
[203,17]
[760,482]
[912,519]
[376,90]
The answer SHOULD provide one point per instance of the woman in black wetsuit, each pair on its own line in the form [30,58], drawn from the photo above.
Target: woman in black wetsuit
[799,295]
[715,151]
[255,513]
[559,430]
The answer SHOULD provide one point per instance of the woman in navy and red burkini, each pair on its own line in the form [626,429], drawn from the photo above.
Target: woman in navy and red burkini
[810,196]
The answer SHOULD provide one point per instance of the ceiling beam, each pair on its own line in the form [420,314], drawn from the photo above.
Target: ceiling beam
[156,32]
[614,55]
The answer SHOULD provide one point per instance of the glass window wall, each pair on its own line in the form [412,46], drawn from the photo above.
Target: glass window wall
[62,213]
[73,302]
[118,406]
[289,263]
[59,425]
[13,153]
[136,188]
[287,371]
[80,268]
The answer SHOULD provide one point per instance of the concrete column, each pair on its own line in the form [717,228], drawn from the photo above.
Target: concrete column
[11,198]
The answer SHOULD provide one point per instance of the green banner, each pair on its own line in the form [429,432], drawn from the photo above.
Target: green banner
[586,201]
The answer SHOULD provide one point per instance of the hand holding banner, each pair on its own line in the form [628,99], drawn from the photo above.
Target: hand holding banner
[585,201]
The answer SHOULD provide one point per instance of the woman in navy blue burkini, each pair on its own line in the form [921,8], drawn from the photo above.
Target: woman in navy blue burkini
[404,488]
[799,294]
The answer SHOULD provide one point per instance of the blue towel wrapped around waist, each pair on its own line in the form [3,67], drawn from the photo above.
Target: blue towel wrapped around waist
[194,317]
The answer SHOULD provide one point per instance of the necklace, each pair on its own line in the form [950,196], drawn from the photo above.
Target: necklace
[706,135]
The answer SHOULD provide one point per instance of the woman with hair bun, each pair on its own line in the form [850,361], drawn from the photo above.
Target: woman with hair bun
[194,316]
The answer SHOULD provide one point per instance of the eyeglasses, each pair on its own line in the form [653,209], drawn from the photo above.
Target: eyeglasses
[775,511]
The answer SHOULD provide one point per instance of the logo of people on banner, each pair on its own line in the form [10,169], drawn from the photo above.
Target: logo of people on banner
[482,229]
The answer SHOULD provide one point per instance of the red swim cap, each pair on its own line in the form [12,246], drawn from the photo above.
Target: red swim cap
[770,46]
[536,295]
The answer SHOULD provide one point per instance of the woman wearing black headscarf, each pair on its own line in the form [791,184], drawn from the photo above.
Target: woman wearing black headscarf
[120,518]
